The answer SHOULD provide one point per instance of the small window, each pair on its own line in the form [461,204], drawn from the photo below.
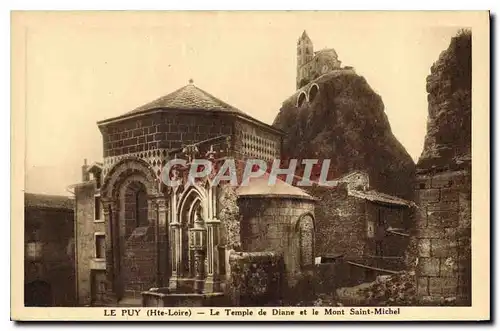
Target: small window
[33,251]
[379,250]
[97,206]
[370,229]
[100,246]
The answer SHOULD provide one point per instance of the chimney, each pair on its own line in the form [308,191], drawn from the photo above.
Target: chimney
[85,173]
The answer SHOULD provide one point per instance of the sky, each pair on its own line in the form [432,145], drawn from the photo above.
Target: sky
[82,68]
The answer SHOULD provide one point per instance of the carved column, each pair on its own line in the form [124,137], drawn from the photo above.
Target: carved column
[161,217]
[153,222]
[212,283]
[174,236]
[110,240]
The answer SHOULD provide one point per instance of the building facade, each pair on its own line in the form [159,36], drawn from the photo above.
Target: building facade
[49,269]
[360,226]
[135,233]
[311,64]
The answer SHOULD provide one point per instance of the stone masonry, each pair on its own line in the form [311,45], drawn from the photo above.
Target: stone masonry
[443,185]
[443,237]
[86,227]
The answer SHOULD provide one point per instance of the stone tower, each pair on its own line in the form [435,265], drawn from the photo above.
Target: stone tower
[444,182]
[305,53]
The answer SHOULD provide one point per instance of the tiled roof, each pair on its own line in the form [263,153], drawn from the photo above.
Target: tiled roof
[188,97]
[327,50]
[260,187]
[379,197]
[48,201]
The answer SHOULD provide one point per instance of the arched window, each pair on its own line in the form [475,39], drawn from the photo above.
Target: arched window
[306,240]
[135,207]
[313,91]
[141,207]
[301,99]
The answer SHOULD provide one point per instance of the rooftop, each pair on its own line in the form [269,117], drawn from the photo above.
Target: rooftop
[378,197]
[188,97]
[47,201]
[260,187]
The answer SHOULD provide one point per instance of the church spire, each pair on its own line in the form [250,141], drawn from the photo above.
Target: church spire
[304,36]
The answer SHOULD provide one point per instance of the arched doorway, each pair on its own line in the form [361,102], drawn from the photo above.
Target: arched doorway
[136,228]
[191,206]
[136,238]
[38,294]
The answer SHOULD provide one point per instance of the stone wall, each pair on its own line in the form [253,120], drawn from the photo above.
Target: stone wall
[229,215]
[392,217]
[54,229]
[340,222]
[443,229]
[256,278]
[163,131]
[139,257]
[324,61]
[255,141]
[86,227]
[443,237]
[271,224]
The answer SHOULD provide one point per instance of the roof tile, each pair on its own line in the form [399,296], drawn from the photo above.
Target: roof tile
[188,97]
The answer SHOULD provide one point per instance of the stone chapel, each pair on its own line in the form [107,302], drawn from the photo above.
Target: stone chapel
[135,235]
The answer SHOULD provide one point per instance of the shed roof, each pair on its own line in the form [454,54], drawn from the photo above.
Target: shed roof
[47,201]
[378,197]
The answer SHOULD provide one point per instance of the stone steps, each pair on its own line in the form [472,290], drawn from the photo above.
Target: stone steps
[130,302]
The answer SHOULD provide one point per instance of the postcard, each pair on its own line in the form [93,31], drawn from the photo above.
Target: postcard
[250,166]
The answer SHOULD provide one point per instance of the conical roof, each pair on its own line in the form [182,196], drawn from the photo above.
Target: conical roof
[304,35]
[260,187]
[188,97]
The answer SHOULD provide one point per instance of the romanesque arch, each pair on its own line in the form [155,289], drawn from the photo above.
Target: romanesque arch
[135,224]
[125,168]
[313,91]
[301,99]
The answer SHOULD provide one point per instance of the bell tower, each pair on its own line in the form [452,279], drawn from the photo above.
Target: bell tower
[305,53]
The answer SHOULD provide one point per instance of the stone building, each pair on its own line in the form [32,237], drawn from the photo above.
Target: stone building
[49,271]
[90,237]
[311,64]
[279,218]
[134,233]
[362,227]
